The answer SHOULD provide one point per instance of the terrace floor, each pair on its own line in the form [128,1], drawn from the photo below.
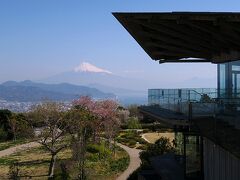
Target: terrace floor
[164,115]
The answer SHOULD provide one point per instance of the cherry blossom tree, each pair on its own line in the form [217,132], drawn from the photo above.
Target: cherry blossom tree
[89,118]
[105,113]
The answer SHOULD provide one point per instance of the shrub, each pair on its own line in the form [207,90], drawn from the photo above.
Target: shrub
[160,147]
[64,174]
[14,171]
[163,145]
[3,134]
[102,150]
[119,139]
[93,157]
[123,140]
[93,148]
[154,127]
[132,143]
[124,136]
[142,147]
[129,135]
[141,140]
[133,123]
[145,131]
[120,164]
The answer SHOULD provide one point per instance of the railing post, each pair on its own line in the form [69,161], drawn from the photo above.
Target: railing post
[190,111]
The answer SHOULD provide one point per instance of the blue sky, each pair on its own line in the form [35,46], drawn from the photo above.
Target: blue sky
[41,38]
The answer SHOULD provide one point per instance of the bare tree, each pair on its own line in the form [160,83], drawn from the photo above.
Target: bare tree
[53,131]
[80,129]
[123,115]
[134,111]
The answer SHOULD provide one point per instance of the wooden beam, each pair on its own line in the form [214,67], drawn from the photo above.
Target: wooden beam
[184,27]
[216,34]
[202,39]
[223,57]
[177,33]
[157,50]
[160,38]
[184,61]
[178,51]
[231,30]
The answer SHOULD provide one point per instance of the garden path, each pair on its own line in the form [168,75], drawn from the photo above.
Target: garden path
[21,147]
[134,161]
[133,154]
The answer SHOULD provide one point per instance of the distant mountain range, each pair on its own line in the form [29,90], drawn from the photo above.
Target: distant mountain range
[86,79]
[28,91]
[126,89]
[89,75]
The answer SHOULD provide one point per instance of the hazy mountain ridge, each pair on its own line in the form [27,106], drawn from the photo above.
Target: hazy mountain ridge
[31,91]
[100,78]
[127,90]
[118,91]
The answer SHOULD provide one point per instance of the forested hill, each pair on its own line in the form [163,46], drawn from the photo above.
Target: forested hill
[28,91]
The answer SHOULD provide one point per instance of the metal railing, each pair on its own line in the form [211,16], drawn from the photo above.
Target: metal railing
[216,113]
[196,102]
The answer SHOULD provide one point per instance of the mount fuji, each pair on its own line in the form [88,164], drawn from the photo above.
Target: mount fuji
[90,75]
[87,74]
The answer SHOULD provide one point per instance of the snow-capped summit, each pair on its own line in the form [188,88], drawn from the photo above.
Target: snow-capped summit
[88,74]
[87,67]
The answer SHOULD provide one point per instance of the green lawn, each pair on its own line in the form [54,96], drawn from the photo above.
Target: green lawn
[105,168]
[154,136]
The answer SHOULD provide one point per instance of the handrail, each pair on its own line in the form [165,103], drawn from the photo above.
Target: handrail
[173,98]
[185,100]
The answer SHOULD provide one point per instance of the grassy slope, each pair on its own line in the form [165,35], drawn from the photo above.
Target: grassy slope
[100,168]
[8,144]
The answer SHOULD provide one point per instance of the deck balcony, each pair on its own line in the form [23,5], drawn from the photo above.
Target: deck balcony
[199,109]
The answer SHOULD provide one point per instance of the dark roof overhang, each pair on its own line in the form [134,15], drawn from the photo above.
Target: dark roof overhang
[186,36]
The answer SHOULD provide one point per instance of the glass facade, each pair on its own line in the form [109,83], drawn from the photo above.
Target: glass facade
[219,111]
[178,99]
[192,153]
[222,79]
[188,146]
[229,85]
[229,80]
[204,101]
[173,96]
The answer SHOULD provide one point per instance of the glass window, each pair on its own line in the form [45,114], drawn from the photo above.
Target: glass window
[222,79]
[235,68]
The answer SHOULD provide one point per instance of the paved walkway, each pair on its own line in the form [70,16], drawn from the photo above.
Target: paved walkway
[134,161]
[18,148]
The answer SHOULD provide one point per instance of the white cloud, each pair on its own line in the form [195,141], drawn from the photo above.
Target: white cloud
[87,67]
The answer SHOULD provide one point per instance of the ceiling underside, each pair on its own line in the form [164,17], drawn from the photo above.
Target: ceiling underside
[185,36]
